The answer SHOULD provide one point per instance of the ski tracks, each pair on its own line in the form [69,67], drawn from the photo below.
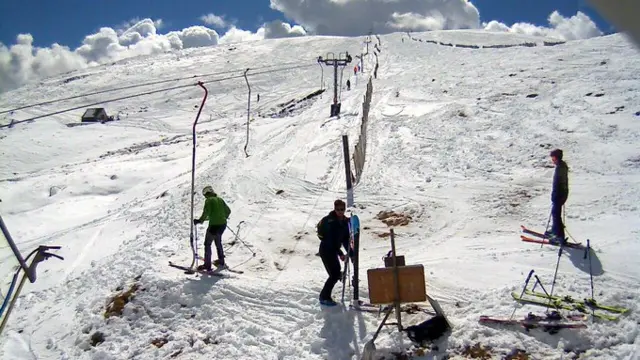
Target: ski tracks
[235,321]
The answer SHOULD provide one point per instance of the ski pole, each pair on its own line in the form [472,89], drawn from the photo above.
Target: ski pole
[344,275]
[591,276]
[590,271]
[348,273]
[544,290]
[239,239]
[538,281]
[553,284]
[546,228]
[522,293]
[195,247]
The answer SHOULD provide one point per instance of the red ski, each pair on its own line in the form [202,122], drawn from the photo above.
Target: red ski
[532,232]
[530,322]
[546,242]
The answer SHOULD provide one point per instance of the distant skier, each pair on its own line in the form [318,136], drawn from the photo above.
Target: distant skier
[217,212]
[333,231]
[559,195]
[348,85]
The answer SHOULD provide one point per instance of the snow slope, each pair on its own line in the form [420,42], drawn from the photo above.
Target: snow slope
[453,140]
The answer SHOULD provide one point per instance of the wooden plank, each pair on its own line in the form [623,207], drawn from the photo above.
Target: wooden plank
[412,285]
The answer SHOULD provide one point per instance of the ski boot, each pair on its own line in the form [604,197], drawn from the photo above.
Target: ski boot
[328,302]
[204,267]
[219,266]
[556,240]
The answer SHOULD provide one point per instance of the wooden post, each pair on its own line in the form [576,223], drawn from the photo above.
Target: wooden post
[347,170]
[396,281]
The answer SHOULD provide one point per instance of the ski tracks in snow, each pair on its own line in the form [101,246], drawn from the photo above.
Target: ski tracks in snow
[232,322]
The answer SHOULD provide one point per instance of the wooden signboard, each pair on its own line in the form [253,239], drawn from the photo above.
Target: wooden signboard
[412,284]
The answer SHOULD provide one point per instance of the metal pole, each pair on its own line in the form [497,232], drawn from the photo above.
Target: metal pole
[16,251]
[553,284]
[546,228]
[248,111]
[335,82]
[193,175]
[367,41]
[526,283]
[321,76]
[239,239]
[591,276]
[40,255]
[12,303]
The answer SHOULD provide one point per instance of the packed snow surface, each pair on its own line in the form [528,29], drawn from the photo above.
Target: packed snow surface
[457,139]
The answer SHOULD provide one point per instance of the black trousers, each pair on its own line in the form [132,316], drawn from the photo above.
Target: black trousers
[332,265]
[557,227]
[214,234]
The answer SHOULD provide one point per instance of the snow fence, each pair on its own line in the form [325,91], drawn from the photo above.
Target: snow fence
[361,146]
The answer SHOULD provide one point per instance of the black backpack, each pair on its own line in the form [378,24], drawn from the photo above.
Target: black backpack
[320,227]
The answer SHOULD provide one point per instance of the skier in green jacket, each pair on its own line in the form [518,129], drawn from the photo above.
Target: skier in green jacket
[216,211]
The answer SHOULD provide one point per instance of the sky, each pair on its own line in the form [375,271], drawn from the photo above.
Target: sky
[50,23]
[41,38]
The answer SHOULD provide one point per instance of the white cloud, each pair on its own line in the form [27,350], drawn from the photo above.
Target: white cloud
[196,36]
[579,26]
[494,25]
[22,62]
[278,29]
[128,24]
[416,22]
[214,20]
[237,35]
[358,17]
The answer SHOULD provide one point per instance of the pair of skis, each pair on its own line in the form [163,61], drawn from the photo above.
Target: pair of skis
[220,272]
[551,323]
[544,239]
[568,303]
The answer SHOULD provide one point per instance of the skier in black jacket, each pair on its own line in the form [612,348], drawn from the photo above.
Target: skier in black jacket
[559,195]
[333,231]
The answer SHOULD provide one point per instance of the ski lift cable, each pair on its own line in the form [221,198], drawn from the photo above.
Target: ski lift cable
[151,92]
[133,86]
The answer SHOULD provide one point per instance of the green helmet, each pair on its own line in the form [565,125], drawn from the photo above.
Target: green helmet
[207,190]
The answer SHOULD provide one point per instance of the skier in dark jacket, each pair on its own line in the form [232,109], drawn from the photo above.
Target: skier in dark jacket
[216,211]
[333,231]
[559,195]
